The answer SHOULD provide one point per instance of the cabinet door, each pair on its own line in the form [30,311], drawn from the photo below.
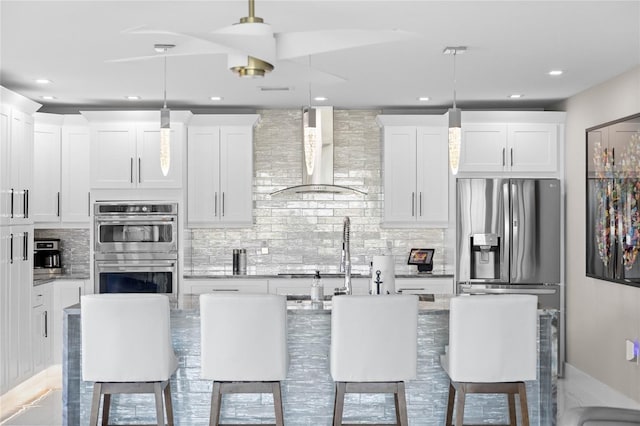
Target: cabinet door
[432,176]
[236,175]
[532,147]
[41,327]
[113,153]
[226,286]
[5,161]
[400,198]
[19,295]
[149,173]
[75,174]
[65,294]
[46,180]
[483,148]
[203,176]
[5,307]
[21,166]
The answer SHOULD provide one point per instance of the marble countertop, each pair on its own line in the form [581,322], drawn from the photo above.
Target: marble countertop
[51,278]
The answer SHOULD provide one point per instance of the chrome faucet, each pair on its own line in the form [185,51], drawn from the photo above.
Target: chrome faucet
[345,261]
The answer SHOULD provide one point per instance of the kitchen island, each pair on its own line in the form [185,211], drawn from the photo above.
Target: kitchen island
[308,391]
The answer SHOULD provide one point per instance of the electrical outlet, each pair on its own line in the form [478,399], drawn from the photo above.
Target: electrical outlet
[265,248]
[632,350]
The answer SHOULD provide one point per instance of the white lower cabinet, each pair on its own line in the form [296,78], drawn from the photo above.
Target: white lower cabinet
[431,285]
[65,294]
[302,286]
[41,331]
[232,285]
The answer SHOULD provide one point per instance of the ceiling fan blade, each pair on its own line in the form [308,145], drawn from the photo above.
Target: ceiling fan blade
[305,43]
[251,39]
[191,47]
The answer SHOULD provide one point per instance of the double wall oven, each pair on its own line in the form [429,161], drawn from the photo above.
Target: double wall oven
[136,247]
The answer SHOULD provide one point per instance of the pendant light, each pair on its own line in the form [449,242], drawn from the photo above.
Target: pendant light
[165,118]
[312,138]
[455,116]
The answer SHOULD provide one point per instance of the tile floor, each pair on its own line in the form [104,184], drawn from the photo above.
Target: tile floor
[575,389]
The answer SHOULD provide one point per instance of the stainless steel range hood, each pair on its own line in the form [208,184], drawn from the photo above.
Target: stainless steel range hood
[317,155]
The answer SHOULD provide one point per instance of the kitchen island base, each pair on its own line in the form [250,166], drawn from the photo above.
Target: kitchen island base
[308,392]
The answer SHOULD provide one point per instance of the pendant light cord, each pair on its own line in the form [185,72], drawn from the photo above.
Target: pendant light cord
[454,79]
[165,81]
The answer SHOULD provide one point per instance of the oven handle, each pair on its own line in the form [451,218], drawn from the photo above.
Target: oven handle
[128,266]
[127,219]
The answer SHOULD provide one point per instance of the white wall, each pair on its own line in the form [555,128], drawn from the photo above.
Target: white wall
[600,314]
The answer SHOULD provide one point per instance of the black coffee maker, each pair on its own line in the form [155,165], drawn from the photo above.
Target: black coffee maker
[46,258]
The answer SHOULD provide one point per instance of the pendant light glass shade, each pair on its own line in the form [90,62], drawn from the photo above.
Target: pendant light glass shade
[165,140]
[455,139]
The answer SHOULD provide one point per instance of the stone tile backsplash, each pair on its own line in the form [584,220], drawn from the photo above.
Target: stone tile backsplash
[74,248]
[303,232]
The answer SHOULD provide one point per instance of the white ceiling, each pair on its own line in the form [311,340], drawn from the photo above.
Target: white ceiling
[511,47]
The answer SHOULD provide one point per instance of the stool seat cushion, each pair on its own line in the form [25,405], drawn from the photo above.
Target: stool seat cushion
[126,338]
[374,338]
[492,338]
[243,337]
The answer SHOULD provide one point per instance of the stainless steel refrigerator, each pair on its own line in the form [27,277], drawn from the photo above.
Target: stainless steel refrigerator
[508,234]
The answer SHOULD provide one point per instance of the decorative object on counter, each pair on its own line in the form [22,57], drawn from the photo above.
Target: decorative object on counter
[127,348]
[455,116]
[317,291]
[383,275]
[244,346]
[500,332]
[377,357]
[423,258]
[239,261]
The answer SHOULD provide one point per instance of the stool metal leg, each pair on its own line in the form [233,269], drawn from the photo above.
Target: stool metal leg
[216,400]
[512,409]
[95,403]
[106,406]
[460,405]
[401,405]
[277,404]
[338,405]
[157,391]
[450,403]
[168,404]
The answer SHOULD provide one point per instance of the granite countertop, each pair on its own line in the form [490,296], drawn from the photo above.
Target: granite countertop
[306,275]
[51,278]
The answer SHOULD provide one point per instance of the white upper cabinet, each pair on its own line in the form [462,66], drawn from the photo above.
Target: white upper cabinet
[514,142]
[220,171]
[61,159]
[16,157]
[125,149]
[415,171]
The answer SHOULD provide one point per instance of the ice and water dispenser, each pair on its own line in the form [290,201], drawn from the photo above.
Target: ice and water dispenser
[485,257]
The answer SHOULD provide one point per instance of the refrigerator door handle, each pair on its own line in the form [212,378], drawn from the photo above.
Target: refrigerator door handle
[515,234]
[508,290]
[506,243]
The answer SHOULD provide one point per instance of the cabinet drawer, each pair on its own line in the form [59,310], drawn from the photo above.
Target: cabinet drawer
[425,285]
[224,286]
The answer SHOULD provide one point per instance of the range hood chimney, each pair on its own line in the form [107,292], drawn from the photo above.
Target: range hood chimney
[317,155]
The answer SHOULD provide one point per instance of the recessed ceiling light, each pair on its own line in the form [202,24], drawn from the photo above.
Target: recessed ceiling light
[320,98]
[48,97]
[424,98]
[132,98]
[556,72]
[43,81]
[516,96]
[216,98]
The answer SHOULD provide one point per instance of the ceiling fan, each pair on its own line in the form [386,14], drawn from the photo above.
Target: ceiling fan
[253,48]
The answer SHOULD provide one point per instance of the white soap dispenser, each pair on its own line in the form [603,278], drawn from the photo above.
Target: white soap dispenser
[317,291]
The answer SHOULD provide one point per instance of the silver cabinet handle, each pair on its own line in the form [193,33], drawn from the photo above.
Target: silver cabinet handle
[413,203]
[224,289]
[89,203]
[511,156]
[25,203]
[131,170]
[25,246]
[46,323]
[223,204]
[503,157]
[420,204]
[139,170]
[79,293]
[11,248]
[12,191]
[215,204]
[58,204]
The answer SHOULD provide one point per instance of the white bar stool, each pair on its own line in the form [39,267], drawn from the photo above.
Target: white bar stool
[244,346]
[126,348]
[373,348]
[492,349]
